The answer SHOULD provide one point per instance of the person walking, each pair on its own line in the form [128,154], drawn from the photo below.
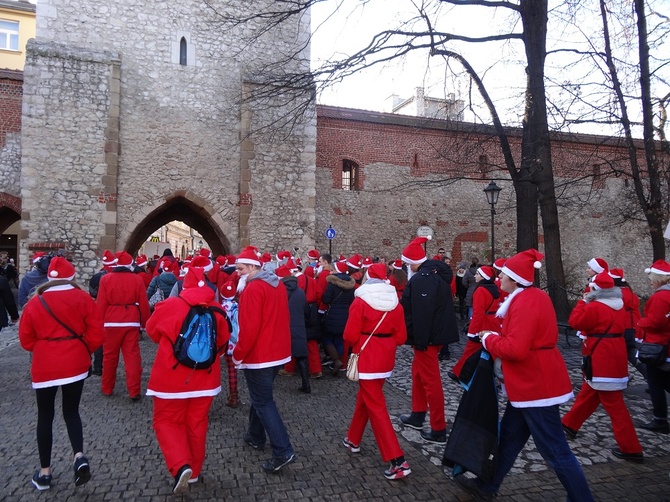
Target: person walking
[600,316]
[338,296]
[654,327]
[7,304]
[263,346]
[182,395]
[125,310]
[36,276]
[536,380]
[431,322]
[61,325]
[376,322]
[228,292]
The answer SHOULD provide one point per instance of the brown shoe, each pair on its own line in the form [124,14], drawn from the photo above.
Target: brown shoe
[233,400]
[316,375]
[336,368]
[283,372]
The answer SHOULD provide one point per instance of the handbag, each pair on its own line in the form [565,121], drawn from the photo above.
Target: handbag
[652,354]
[157,297]
[352,364]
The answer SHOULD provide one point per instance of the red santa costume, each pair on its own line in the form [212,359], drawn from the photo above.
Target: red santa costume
[601,318]
[123,303]
[182,395]
[375,306]
[141,262]
[485,303]
[61,325]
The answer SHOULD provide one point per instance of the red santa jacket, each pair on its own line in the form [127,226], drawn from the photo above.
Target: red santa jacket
[321,284]
[654,327]
[372,300]
[631,304]
[59,358]
[170,379]
[534,371]
[308,285]
[122,299]
[264,339]
[602,312]
[484,308]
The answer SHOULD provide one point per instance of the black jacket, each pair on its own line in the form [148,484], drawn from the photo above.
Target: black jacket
[296,308]
[7,303]
[429,308]
[338,296]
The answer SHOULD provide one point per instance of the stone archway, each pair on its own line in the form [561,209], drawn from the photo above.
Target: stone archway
[10,210]
[180,208]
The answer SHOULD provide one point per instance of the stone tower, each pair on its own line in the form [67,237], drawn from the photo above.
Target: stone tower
[134,115]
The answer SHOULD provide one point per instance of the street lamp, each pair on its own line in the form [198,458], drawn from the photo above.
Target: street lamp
[200,244]
[492,192]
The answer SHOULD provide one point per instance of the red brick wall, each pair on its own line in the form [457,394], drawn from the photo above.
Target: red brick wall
[11,96]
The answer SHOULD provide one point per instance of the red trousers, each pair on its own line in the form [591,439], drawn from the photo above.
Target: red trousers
[470,348]
[313,359]
[586,403]
[371,405]
[181,430]
[427,392]
[127,342]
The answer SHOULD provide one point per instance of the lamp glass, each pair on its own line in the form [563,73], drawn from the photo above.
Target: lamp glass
[492,192]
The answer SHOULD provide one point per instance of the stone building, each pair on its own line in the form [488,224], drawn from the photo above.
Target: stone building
[134,115]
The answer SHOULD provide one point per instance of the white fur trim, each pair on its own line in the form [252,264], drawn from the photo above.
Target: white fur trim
[595,266]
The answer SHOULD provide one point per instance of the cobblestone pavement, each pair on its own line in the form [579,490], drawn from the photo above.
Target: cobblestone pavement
[127,463]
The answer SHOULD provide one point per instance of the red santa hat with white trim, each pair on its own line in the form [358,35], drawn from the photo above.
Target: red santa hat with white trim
[521,267]
[601,281]
[377,271]
[195,278]
[499,263]
[249,256]
[206,253]
[598,265]
[124,259]
[340,267]
[283,255]
[660,267]
[414,253]
[141,260]
[228,290]
[486,272]
[354,261]
[367,262]
[282,271]
[108,258]
[617,273]
[38,256]
[397,264]
[60,269]
[313,254]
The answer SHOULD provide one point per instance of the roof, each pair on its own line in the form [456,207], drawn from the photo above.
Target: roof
[20,5]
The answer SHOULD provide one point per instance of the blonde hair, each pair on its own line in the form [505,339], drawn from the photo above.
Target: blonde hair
[659,278]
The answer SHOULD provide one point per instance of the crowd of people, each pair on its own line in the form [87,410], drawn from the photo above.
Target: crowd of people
[315,314]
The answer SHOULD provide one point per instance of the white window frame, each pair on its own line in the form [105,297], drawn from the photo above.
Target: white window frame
[10,35]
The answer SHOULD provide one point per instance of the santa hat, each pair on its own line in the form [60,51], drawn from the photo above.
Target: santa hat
[266,258]
[188,259]
[617,273]
[283,255]
[141,260]
[601,281]
[201,262]
[397,264]
[377,271]
[228,290]
[414,253]
[499,263]
[38,256]
[486,272]
[367,261]
[660,267]
[108,258]
[298,262]
[342,258]
[195,278]
[167,266]
[521,267]
[598,265]
[313,254]
[340,267]
[230,260]
[282,271]
[291,265]
[354,261]
[220,260]
[124,259]
[60,269]
[249,256]
[205,252]
[183,269]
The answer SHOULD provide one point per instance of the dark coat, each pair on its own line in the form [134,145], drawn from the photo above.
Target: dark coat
[429,308]
[339,295]
[297,307]
[7,303]
[165,281]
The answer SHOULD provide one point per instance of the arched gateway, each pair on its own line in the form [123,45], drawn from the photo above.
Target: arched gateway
[127,127]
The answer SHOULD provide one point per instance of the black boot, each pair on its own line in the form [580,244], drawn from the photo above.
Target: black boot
[301,365]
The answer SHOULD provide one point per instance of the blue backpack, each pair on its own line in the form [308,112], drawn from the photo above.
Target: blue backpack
[195,346]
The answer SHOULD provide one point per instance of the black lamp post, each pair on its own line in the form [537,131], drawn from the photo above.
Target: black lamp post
[492,192]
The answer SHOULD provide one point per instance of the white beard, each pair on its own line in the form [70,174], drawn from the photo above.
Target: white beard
[242,283]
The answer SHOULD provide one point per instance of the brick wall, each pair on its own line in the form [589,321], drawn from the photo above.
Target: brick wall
[11,96]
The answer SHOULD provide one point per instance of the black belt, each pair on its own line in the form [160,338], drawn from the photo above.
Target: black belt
[380,335]
[605,335]
[543,348]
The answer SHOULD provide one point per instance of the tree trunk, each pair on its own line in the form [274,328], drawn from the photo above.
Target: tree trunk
[536,149]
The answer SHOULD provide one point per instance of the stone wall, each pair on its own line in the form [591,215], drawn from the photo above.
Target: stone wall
[161,129]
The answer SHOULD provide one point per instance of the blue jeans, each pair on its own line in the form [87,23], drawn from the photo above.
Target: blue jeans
[544,424]
[264,416]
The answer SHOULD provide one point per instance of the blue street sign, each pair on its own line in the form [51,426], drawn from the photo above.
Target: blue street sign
[330,233]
